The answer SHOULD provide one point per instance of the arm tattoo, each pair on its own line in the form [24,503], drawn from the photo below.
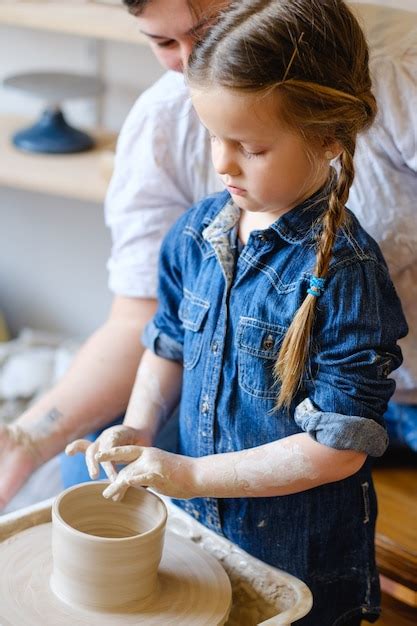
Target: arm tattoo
[46,424]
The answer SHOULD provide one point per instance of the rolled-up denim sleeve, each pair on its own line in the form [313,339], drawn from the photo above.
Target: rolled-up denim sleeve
[161,344]
[164,334]
[342,432]
[358,323]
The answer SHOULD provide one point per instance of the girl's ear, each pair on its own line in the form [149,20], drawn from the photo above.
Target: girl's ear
[331,148]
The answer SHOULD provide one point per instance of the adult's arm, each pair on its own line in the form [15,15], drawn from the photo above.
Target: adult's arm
[93,392]
[150,188]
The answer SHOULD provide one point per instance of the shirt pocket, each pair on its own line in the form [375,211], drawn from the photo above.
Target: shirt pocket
[258,347]
[192,313]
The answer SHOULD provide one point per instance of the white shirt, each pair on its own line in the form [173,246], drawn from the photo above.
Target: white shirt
[163,166]
[384,193]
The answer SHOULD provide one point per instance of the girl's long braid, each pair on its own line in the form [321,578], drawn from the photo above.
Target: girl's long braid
[293,355]
[335,216]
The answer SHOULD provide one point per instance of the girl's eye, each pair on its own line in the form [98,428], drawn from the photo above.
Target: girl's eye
[251,154]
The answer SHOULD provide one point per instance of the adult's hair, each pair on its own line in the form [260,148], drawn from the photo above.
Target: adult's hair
[136,7]
[314,54]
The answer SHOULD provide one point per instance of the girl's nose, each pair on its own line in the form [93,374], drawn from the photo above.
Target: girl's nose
[224,161]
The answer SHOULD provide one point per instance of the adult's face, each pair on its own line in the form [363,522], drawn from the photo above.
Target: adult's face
[172,27]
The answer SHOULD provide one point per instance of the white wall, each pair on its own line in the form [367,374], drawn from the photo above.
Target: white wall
[52,269]
[53,251]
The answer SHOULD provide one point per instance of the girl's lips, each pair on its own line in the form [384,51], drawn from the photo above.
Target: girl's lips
[237,191]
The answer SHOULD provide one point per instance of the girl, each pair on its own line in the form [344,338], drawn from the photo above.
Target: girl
[277,321]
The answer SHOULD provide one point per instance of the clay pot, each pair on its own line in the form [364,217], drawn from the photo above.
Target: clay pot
[106,554]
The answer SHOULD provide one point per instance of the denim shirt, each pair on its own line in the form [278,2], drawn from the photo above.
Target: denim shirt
[223,314]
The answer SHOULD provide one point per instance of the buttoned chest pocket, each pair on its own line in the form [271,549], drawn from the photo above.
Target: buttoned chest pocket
[258,347]
[193,314]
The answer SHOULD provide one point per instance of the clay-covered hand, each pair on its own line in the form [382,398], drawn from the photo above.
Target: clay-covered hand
[19,457]
[167,473]
[120,435]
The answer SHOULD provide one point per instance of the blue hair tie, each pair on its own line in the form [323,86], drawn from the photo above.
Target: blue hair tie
[316,287]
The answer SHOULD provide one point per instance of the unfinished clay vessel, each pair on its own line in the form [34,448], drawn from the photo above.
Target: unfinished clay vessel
[106,554]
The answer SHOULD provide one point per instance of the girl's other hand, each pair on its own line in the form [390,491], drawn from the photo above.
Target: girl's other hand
[167,473]
[110,438]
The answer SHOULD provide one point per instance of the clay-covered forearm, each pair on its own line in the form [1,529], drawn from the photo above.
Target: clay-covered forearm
[96,388]
[291,465]
[156,393]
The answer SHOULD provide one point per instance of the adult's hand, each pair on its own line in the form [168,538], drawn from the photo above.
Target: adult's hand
[111,437]
[19,457]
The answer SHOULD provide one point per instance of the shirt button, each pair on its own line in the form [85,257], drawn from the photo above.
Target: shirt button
[268,343]
[263,238]
[214,347]
[205,407]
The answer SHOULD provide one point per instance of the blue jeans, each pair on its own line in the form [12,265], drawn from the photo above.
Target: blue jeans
[74,469]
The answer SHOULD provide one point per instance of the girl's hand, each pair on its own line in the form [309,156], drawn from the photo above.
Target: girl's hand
[169,474]
[114,436]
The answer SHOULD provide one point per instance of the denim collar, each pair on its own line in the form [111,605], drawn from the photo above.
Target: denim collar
[217,234]
[303,221]
[295,226]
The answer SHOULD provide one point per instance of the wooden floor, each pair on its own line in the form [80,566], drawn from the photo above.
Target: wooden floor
[396,614]
[396,536]
[395,477]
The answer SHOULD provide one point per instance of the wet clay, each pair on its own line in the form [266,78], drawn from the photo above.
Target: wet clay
[106,555]
[102,567]
[192,590]
[22,438]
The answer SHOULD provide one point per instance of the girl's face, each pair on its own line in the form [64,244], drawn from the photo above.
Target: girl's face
[265,165]
[172,28]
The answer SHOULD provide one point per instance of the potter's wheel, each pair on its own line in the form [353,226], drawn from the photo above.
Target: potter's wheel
[194,590]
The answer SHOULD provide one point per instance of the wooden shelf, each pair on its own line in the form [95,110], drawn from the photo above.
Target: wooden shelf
[82,176]
[85,19]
